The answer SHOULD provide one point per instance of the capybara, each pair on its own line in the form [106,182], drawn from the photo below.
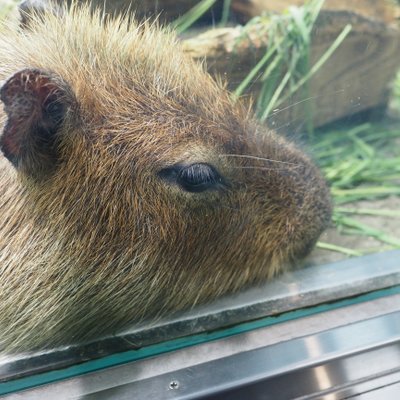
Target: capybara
[132,185]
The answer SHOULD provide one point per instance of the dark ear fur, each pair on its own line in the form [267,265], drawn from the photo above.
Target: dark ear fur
[36,104]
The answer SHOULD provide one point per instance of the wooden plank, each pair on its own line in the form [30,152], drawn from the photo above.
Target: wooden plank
[356,78]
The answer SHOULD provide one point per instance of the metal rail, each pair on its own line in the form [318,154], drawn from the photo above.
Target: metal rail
[362,358]
[293,295]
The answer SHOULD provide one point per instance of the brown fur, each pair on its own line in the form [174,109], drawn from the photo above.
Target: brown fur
[102,242]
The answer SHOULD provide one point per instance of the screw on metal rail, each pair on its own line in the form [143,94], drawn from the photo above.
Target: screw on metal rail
[174,385]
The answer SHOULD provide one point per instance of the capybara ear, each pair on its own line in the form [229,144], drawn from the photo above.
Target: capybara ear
[36,104]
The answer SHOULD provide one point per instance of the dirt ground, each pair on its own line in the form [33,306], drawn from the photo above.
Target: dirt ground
[367,244]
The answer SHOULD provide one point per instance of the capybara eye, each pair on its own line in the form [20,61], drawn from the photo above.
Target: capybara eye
[193,178]
[198,178]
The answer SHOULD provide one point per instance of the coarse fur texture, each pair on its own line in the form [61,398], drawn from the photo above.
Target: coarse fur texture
[97,233]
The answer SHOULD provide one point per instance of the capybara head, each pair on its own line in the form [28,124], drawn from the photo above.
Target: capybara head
[132,185]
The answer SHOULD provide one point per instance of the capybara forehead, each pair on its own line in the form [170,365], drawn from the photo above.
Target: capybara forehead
[123,112]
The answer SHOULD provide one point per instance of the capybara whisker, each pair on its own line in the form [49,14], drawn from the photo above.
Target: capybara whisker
[255,158]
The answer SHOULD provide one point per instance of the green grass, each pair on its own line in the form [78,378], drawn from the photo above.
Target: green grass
[184,22]
[190,17]
[362,163]
[396,93]
[285,67]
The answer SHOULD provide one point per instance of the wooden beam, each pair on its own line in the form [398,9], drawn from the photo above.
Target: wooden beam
[356,78]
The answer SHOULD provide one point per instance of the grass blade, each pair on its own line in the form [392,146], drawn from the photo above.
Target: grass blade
[338,249]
